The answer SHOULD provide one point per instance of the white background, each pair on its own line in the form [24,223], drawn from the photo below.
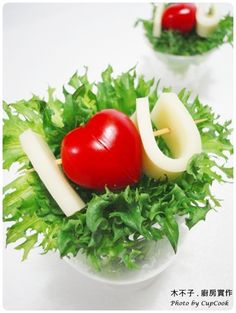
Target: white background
[44,45]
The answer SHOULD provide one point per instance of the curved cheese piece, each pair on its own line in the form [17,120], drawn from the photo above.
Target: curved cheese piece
[183,140]
[44,163]
[157,21]
[207,19]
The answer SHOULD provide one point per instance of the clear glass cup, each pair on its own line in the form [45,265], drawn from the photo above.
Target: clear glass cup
[159,256]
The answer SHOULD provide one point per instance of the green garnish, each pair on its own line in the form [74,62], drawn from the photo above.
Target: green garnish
[173,42]
[115,227]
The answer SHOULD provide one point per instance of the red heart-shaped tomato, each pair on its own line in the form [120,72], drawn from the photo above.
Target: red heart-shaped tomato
[104,152]
[179,16]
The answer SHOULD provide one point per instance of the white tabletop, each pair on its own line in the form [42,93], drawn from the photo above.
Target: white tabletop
[44,45]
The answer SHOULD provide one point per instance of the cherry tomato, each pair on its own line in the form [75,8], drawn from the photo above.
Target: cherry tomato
[180,17]
[104,152]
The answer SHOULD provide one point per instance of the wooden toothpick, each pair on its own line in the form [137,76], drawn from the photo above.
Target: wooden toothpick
[164,131]
[156,133]
[58,162]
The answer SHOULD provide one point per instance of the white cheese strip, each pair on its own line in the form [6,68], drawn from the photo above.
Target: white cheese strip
[133,118]
[183,140]
[44,163]
[157,21]
[206,23]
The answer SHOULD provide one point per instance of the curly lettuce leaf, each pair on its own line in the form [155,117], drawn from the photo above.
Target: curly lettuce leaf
[115,227]
[173,42]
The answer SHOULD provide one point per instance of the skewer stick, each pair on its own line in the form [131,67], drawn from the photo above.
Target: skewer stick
[164,131]
[58,162]
[156,133]
[160,132]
